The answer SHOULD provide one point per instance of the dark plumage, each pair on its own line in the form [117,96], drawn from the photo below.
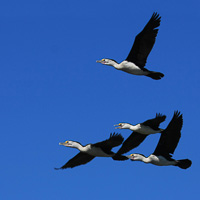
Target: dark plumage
[79,159]
[140,132]
[155,122]
[170,137]
[142,46]
[144,42]
[90,151]
[134,140]
[106,145]
[166,146]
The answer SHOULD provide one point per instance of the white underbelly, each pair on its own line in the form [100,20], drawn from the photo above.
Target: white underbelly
[96,151]
[161,161]
[131,68]
[145,130]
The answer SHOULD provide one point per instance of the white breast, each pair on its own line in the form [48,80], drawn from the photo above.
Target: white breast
[96,151]
[146,130]
[160,161]
[131,68]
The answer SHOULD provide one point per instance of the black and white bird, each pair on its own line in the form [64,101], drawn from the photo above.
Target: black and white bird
[90,151]
[166,146]
[140,132]
[136,60]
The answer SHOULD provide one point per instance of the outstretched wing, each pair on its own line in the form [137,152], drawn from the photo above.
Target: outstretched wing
[131,142]
[114,140]
[170,136]
[79,159]
[144,42]
[155,122]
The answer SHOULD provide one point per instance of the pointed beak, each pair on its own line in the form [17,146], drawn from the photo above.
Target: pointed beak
[128,156]
[61,143]
[99,61]
[117,126]
[102,61]
[131,157]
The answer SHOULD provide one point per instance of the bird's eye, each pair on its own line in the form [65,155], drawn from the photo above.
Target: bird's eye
[103,59]
[66,142]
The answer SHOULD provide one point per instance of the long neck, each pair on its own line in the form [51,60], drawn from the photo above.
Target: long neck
[132,127]
[78,146]
[142,158]
[114,64]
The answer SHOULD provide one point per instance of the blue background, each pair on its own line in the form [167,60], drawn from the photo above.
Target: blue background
[52,90]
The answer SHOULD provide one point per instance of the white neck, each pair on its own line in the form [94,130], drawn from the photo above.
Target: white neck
[114,64]
[132,127]
[142,158]
[78,146]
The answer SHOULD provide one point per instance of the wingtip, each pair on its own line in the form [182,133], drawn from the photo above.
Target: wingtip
[117,135]
[161,116]
[156,16]
[114,134]
[58,168]
[177,113]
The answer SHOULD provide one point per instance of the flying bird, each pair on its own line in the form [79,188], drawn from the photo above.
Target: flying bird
[90,151]
[140,132]
[166,146]
[136,60]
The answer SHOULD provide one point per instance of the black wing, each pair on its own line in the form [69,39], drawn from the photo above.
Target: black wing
[79,159]
[144,42]
[114,140]
[170,136]
[131,142]
[155,122]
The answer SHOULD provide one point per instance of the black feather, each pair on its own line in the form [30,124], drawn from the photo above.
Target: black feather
[106,145]
[155,122]
[79,159]
[144,42]
[131,142]
[170,136]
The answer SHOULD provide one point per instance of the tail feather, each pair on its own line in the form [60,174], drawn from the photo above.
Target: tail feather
[119,157]
[184,164]
[155,75]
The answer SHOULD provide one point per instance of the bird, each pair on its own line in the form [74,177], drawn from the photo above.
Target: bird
[166,146]
[142,46]
[90,151]
[140,132]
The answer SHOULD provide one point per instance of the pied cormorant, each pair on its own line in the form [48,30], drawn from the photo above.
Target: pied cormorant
[166,146]
[136,60]
[140,132]
[90,151]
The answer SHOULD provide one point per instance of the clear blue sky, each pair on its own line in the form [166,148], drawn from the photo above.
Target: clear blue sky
[52,90]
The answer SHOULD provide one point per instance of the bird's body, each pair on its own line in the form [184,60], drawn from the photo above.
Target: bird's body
[140,132]
[136,60]
[131,68]
[148,127]
[160,160]
[143,129]
[146,130]
[166,146]
[96,151]
[90,151]
[153,159]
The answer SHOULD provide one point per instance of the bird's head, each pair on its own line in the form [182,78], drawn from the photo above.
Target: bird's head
[122,126]
[107,61]
[67,143]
